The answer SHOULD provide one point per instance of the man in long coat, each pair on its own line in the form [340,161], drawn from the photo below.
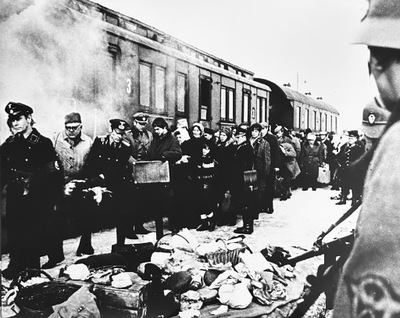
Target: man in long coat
[33,182]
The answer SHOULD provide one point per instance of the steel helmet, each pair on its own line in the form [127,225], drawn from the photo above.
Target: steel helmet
[380,25]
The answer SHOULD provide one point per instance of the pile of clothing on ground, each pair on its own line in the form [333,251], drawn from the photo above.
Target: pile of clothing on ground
[179,277]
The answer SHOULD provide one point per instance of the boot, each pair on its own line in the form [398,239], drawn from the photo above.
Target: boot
[211,224]
[342,201]
[131,234]
[140,229]
[240,230]
[85,245]
[249,228]
[204,225]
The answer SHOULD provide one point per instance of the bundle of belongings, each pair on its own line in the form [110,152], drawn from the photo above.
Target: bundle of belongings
[180,277]
[221,276]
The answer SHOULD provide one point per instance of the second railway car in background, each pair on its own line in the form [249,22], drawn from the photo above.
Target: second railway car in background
[298,111]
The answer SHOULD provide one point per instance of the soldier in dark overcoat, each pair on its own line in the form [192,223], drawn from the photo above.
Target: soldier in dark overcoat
[243,195]
[109,165]
[351,181]
[33,182]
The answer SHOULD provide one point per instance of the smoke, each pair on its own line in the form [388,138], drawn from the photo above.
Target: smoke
[55,60]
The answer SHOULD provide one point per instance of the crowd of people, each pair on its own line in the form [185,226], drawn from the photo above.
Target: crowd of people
[214,177]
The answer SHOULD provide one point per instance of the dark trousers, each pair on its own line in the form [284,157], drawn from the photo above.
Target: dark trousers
[157,200]
[54,239]
[25,227]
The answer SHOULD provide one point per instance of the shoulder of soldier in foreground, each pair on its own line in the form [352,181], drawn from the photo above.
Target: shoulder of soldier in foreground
[36,137]
[391,136]
[101,139]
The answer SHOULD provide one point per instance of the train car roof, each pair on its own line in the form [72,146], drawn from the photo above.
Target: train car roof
[292,94]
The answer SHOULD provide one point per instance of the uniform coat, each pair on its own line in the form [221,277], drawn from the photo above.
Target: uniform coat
[373,264]
[108,165]
[33,183]
[243,200]
[111,161]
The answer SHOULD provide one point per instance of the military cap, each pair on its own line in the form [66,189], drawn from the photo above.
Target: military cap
[264,124]
[119,124]
[311,136]
[141,117]
[240,130]
[15,109]
[353,133]
[73,118]
[278,129]
[375,118]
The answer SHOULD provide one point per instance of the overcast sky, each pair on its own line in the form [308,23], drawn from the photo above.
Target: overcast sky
[306,43]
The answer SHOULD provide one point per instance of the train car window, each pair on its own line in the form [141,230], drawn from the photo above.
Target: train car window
[227,104]
[160,89]
[223,104]
[320,121]
[181,95]
[262,110]
[205,98]
[307,118]
[246,106]
[298,117]
[145,84]
[315,120]
[231,106]
[326,122]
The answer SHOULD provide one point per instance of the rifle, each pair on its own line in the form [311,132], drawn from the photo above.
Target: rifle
[281,257]
[335,254]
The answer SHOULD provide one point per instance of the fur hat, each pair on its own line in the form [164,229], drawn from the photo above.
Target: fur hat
[73,118]
[227,132]
[255,126]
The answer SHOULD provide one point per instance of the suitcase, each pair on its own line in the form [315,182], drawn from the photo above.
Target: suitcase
[134,253]
[145,172]
[324,175]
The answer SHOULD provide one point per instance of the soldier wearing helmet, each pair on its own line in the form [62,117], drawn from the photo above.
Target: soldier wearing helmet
[369,285]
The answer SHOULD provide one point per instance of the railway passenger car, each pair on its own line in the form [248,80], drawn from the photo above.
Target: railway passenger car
[154,72]
[299,111]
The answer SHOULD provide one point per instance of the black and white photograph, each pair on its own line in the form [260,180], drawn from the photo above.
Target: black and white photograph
[182,158]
